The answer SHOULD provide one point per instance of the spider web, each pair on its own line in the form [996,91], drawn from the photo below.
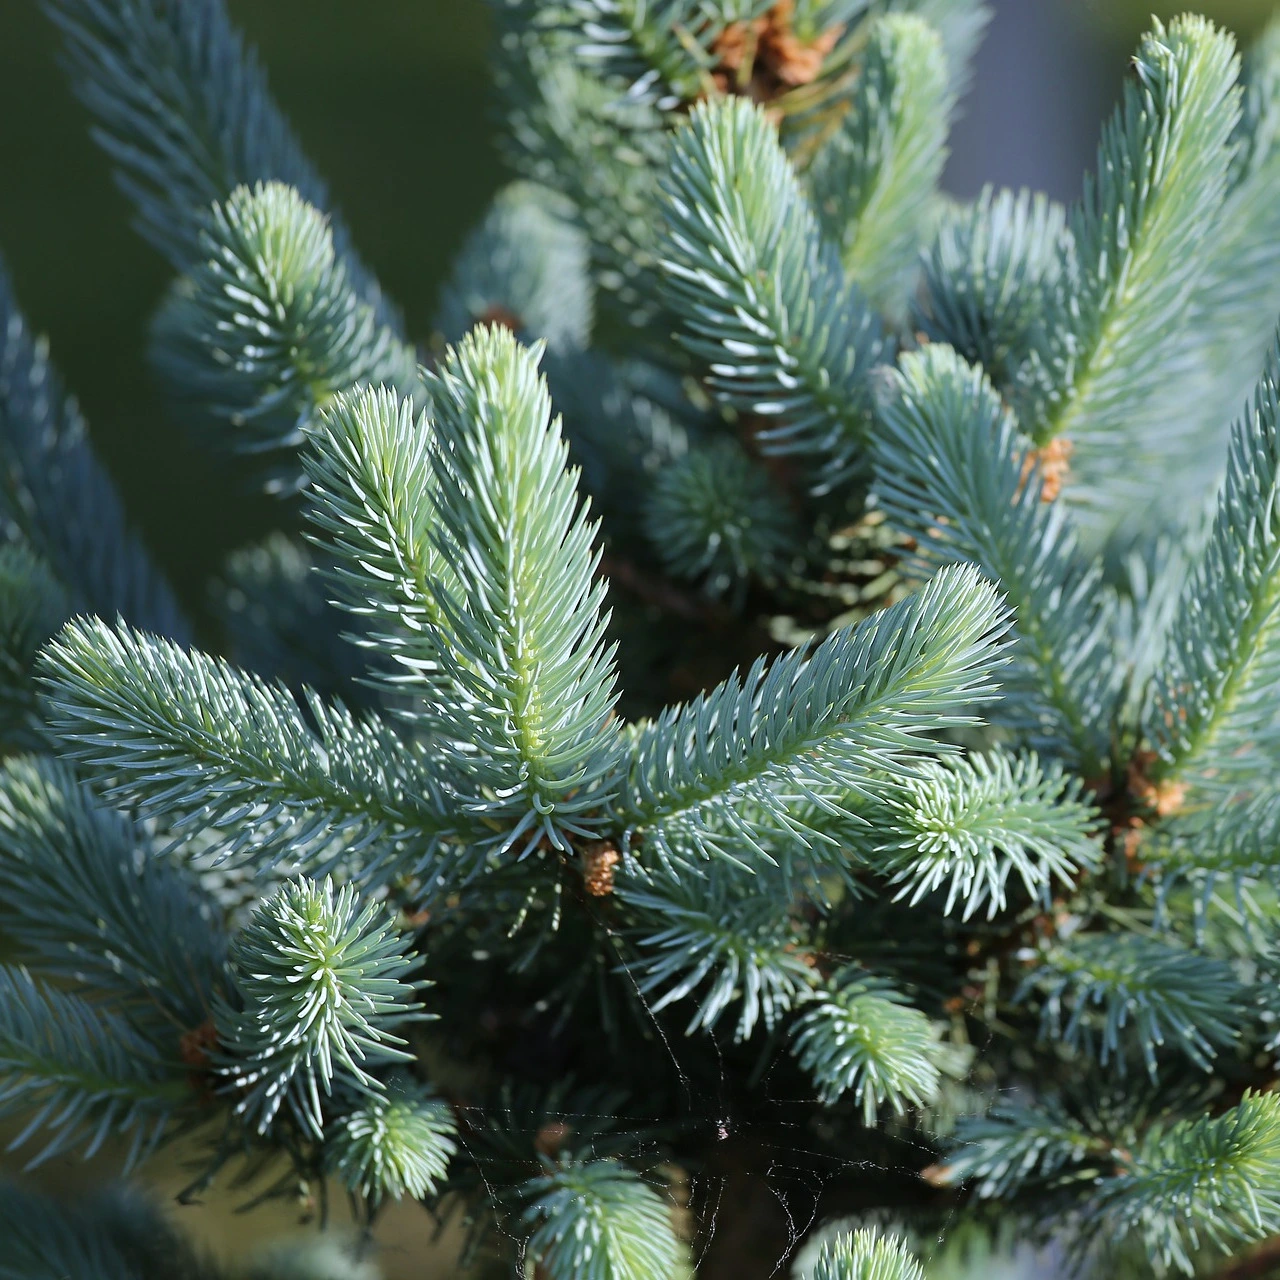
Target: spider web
[794,1177]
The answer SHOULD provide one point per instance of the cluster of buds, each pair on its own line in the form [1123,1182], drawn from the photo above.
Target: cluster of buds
[194,1049]
[764,58]
[599,863]
[1053,461]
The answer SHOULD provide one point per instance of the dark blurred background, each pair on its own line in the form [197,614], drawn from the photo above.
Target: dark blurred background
[392,103]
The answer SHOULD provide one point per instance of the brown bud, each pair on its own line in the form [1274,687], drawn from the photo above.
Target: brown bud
[1054,461]
[501,317]
[793,61]
[1131,846]
[599,858]
[735,44]
[550,1138]
[194,1045]
[193,1050]
[1164,797]
[764,57]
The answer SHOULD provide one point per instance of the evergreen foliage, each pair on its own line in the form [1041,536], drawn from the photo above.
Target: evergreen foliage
[302,788]
[47,470]
[741,946]
[863,1037]
[714,515]
[862,1255]
[875,180]
[33,605]
[598,1221]
[1170,993]
[395,1145]
[952,476]
[276,612]
[267,325]
[122,1236]
[1214,1179]
[988,276]
[972,823]
[1206,719]
[153,940]
[316,987]
[526,264]
[758,669]
[182,108]
[84,1072]
[811,733]
[764,303]
[115,1237]
[1161,171]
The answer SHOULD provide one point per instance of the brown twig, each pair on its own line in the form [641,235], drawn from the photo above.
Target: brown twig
[1258,1264]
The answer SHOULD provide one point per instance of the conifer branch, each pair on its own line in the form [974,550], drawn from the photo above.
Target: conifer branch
[667,53]
[1014,1148]
[320,987]
[866,1255]
[267,327]
[56,497]
[1209,1182]
[861,1036]
[490,566]
[1259,129]
[1233,308]
[989,277]
[725,936]
[623,419]
[523,640]
[33,605]
[715,515]
[112,1236]
[273,602]
[182,108]
[970,824]
[874,181]
[808,730]
[395,1145]
[1143,991]
[960,23]
[573,132]
[762,300]
[598,1221]
[83,898]
[80,1072]
[951,472]
[189,738]
[373,504]
[528,265]
[662,50]
[1211,717]
[758,176]
[1161,177]
[1232,839]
